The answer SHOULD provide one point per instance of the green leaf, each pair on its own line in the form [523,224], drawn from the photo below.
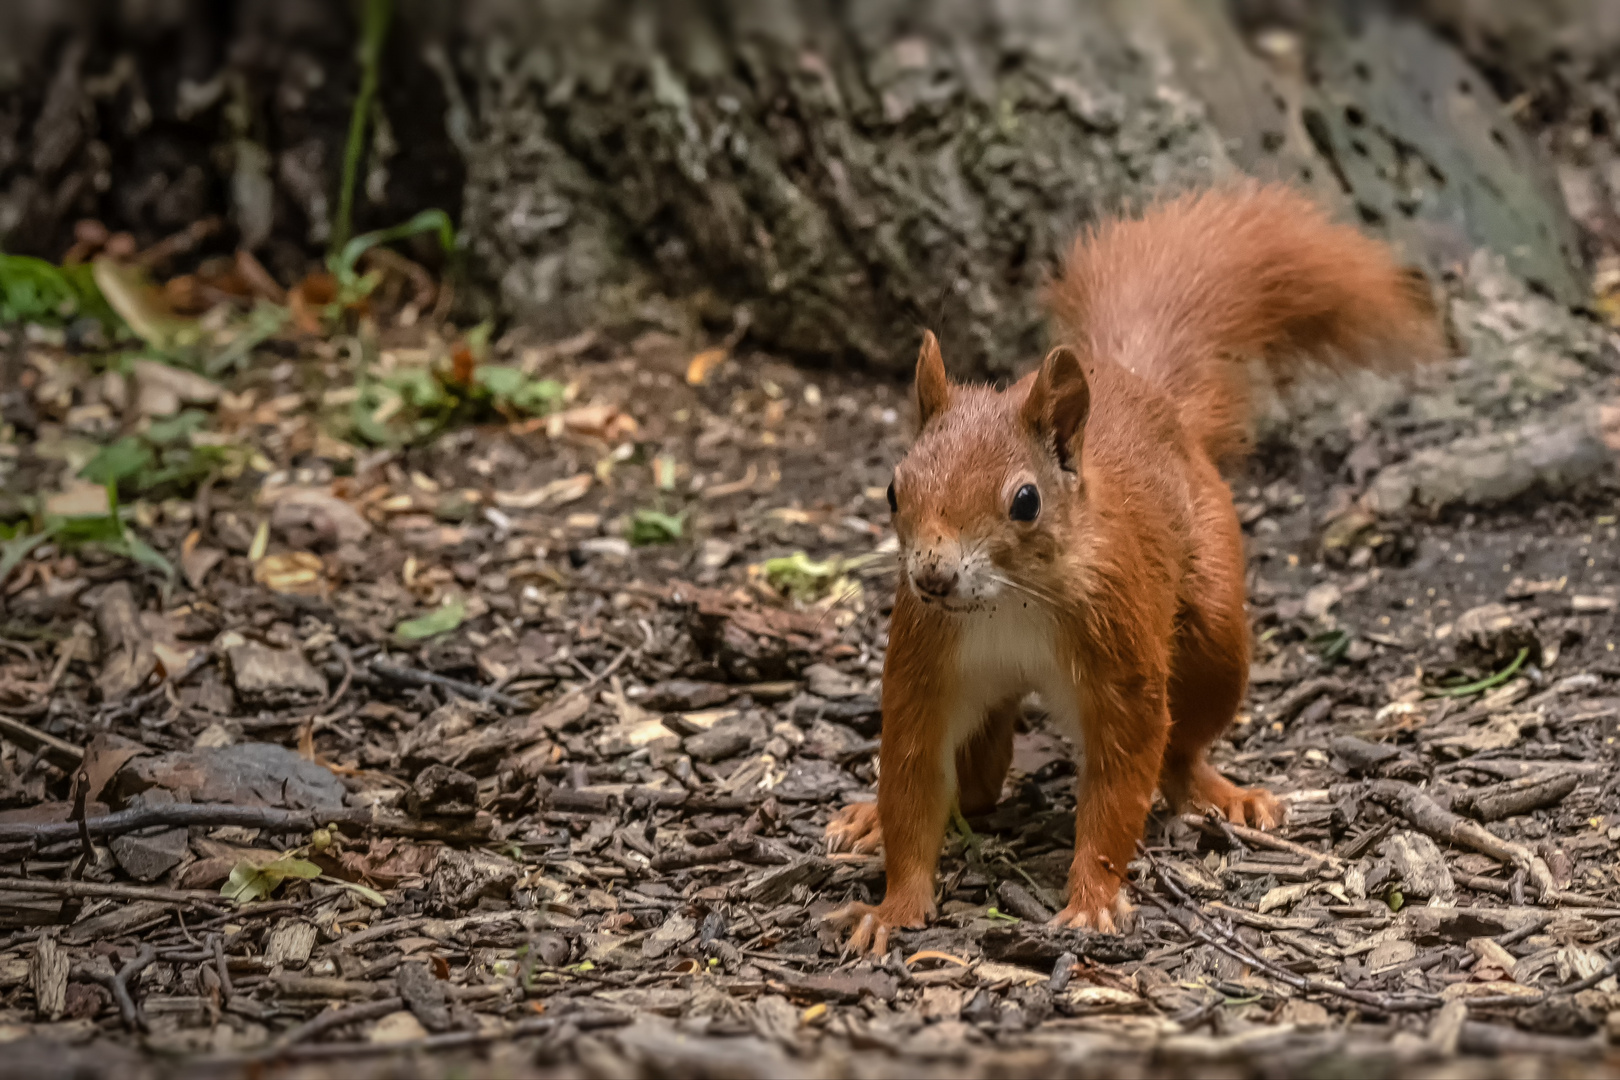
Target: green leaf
[370,896]
[418,388]
[1469,689]
[801,577]
[509,386]
[501,382]
[538,396]
[250,881]
[262,324]
[176,429]
[441,621]
[123,460]
[999,916]
[100,529]
[428,221]
[478,339]
[655,527]
[33,290]
[15,550]
[143,553]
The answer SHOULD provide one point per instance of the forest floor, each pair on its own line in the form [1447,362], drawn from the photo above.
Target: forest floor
[510,751]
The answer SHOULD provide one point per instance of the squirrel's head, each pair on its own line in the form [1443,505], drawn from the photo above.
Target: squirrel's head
[986,494]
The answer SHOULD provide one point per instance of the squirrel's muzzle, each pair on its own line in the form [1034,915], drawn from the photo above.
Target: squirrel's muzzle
[934,582]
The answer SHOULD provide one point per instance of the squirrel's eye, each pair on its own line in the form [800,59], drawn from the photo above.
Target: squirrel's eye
[1026,504]
[894,504]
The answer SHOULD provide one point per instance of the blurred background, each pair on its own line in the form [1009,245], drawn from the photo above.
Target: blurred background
[831,174]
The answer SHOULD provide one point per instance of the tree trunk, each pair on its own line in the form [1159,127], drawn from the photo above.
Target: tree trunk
[829,176]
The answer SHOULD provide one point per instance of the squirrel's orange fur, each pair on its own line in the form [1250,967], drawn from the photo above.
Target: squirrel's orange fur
[1121,600]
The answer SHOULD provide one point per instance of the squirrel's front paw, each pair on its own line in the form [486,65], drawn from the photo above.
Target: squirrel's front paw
[1096,905]
[868,925]
[1114,918]
[855,828]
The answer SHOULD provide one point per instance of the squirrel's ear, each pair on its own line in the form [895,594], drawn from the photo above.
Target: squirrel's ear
[933,386]
[1058,403]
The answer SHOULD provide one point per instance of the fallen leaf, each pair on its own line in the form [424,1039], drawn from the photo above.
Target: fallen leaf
[308,299]
[1284,896]
[802,578]
[440,621]
[249,882]
[556,493]
[1465,990]
[103,757]
[131,293]
[297,573]
[398,1027]
[703,365]
[197,561]
[604,422]
[994,973]
[1093,997]
[655,527]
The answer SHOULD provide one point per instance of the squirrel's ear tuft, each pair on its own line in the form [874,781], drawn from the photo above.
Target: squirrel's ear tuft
[1058,403]
[933,386]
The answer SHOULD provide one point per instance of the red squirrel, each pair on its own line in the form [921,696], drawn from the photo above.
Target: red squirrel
[1072,535]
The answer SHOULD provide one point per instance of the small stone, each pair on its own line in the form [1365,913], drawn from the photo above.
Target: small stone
[1304,1015]
[267,676]
[616,547]
[862,712]
[686,695]
[826,681]
[1388,953]
[715,554]
[831,742]
[551,949]
[942,1002]
[147,858]
[1421,866]
[676,930]
[1320,599]
[425,996]
[462,877]
[980,1009]
[161,389]
[399,1027]
[310,517]
[250,774]
[724,740]
[443,791]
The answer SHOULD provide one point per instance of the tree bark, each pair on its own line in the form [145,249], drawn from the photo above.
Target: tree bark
[829,176]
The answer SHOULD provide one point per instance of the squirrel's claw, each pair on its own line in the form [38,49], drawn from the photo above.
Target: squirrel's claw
[869,925]
[1113,918]
[856,829]
[1253,806]
[868,931]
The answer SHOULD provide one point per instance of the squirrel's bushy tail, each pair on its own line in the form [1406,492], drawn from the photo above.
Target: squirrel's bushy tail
[1190,291]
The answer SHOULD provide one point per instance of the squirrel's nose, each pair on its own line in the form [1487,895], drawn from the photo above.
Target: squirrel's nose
[933,583]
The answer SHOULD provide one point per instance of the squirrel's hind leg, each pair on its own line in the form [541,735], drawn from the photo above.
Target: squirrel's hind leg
[982,762]
[1209,675]
[981,768]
